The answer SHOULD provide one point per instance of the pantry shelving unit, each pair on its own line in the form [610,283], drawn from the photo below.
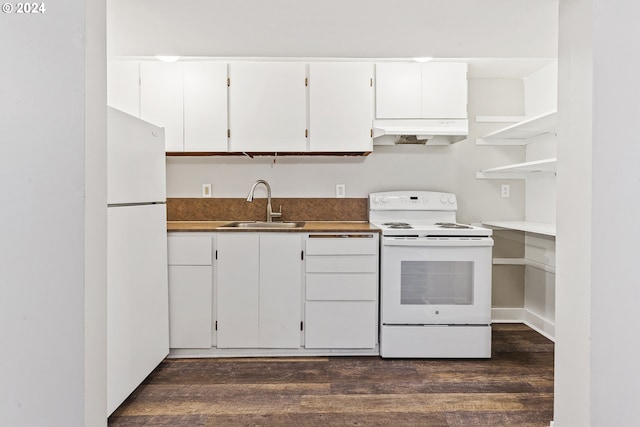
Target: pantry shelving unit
[521,132]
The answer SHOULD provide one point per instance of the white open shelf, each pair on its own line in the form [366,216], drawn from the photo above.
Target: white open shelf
[520,133]
[545,167]
[528,226]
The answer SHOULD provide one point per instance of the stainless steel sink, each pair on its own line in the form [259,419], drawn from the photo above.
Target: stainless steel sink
[264,224]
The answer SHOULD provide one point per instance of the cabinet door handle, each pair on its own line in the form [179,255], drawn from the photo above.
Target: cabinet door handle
[302,255]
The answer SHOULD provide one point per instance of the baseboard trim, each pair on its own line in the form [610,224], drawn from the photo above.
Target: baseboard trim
[540,324]
[507,315]
[522,315]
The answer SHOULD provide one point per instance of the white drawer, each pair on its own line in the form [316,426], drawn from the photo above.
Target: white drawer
[187,250]
[341,287]
[346,244]
[341,324]
[342,264]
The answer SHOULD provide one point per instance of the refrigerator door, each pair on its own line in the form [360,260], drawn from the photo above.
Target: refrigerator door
[137,297]
[135,160]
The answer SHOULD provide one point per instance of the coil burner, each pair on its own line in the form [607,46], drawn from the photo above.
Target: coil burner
[398,225]
[452,225]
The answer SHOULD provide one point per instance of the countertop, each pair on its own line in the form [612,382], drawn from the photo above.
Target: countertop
[310,226]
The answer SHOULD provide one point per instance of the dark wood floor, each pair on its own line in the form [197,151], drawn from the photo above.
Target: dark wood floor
[513,388]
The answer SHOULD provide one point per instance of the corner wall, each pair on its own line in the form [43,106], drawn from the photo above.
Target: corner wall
[572,402]
[48,375]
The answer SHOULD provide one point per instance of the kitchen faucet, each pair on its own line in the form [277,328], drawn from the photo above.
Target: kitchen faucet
[270,213]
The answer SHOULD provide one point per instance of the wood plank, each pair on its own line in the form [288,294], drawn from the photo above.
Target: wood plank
[514,387]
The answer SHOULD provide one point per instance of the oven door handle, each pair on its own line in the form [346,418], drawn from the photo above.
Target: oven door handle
[438,241]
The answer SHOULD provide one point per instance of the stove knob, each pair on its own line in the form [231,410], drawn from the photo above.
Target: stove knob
[376,200]
[443,199]
[452,200]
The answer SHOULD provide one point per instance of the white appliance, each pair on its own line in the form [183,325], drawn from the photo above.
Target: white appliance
[137,284]
[435,277]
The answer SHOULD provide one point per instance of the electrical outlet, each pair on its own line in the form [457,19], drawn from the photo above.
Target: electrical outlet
[206,190]
[340,191]
[505,190]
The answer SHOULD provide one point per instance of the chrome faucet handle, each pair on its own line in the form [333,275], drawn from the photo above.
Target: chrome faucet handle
[277,214]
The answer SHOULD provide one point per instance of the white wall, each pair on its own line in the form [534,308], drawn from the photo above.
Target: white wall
[95,215]
[540,90]
[43,362]
[615,291]
[574,220]
[439,168]
[335,28]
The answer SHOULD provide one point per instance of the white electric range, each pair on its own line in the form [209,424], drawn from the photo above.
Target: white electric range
[435,277]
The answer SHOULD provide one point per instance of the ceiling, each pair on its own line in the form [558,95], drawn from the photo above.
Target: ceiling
[372,29]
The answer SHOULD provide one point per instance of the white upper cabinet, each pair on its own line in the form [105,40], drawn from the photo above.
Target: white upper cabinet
[123,86]
[436,90]
[444,90]
[267,107]
[398,90]
[340,107]
[205,107]
[188,99]
[161,100]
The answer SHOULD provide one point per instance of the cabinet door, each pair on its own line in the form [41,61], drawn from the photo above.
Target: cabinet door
[190,290]
[267,106]
[280,290]
[123,86]
[237,297]
[161,100]
[190,304]
[444,90]
[340,106]
[398,91]
[205,106]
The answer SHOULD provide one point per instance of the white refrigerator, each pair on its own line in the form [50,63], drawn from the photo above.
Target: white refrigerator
[137,287]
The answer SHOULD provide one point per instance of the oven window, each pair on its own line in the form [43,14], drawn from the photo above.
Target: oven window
[436,283]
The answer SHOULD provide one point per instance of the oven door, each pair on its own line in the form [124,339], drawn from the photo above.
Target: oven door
[436,281]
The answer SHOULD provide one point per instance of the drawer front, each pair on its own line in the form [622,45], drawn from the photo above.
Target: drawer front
[341,324]
[341,287]
[342,264]
[360,244]
[187,250]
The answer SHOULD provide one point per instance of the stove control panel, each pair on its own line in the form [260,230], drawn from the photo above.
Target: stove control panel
[413,200]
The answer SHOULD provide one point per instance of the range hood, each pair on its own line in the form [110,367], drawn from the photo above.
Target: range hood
[419,131]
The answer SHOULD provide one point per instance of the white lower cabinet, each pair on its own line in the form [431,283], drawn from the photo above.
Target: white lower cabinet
[341,291]
[272,293]
[259,285]
[190,291]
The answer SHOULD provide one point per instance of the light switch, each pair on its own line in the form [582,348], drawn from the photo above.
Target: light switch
[340,191]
